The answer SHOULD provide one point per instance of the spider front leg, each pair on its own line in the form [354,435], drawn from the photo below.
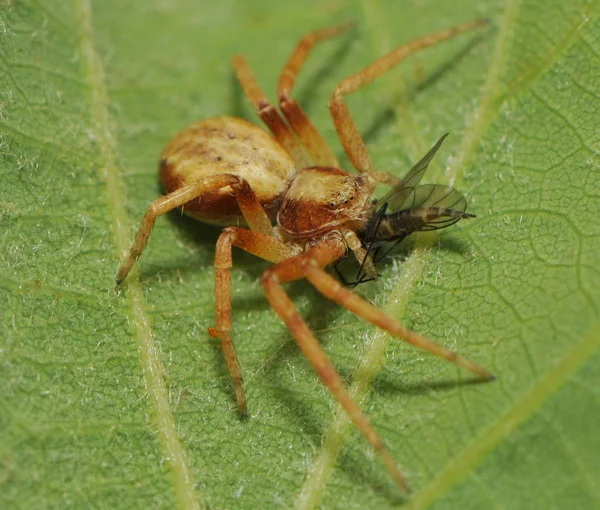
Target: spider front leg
[294,269]
[344,124]
[253,212]
[260,245]
[333,290]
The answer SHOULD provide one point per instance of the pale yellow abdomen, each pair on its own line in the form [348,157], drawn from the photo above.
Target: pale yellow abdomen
[232,146]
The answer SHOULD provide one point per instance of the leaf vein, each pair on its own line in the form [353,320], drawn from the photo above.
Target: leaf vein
[150,358]
[515,416]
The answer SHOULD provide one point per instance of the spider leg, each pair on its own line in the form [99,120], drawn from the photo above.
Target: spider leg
[253,212]
[260,245]
[344,124]
[308,134]
[267,112]
[293,269]
[333,290]
[362,255]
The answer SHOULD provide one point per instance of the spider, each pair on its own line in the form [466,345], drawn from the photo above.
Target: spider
[302,211]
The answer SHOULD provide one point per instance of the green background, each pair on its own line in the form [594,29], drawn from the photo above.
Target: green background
[122,400]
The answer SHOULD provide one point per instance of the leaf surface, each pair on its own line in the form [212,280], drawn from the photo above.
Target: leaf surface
[122,400]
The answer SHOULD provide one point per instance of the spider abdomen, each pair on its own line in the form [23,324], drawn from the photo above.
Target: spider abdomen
[226,145]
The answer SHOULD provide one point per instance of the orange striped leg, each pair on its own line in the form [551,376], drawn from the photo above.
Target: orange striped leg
[333,290]
[254,214]
[315,144]
[293,269]
[267,112]
[344,124]
[260,245]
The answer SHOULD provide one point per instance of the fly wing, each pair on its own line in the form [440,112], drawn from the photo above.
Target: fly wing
[409,207]
[404,191]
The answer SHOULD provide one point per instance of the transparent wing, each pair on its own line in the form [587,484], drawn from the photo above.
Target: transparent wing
[437,196]
[402,192]
[407,208]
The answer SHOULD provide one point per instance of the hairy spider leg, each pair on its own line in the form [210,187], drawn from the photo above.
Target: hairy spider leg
[293,269]
[262,246]
[253,212]
[344,124]
[334,290]
[267,112]
[315,144]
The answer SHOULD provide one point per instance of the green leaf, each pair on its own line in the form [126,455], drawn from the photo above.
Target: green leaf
[122,400]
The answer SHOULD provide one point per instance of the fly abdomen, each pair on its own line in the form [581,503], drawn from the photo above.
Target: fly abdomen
[403,223]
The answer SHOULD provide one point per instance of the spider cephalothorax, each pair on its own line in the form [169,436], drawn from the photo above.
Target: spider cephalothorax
[230,172]
[324,199]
